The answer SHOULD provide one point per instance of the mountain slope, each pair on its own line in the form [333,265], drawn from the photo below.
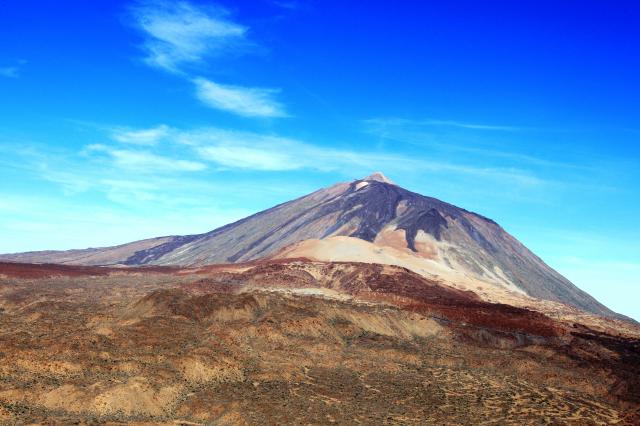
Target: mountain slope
[443,240]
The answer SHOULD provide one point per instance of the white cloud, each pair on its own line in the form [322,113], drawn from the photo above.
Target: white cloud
[245,101]
[185,165]
[142,136]
[193,150]
[247,150]
[180,33]
[144,161]
[248,158]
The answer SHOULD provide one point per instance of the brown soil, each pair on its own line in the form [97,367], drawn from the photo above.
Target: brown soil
[246,346]
[46,270]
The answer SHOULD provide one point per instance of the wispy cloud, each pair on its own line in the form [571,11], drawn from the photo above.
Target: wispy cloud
[145,184]
[246,150]
[142,136]
[145,161]
[245,101]
[382,123]
[255,151]
[473,126]
[179,33]
[192,162]
[480,141]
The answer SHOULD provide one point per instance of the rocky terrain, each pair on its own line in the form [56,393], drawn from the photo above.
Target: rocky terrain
[296,341]
[368,220]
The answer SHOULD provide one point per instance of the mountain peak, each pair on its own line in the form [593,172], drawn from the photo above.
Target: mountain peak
[379,177]
[382,224]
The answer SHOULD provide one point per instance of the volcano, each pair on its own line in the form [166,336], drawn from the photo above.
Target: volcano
[369,220]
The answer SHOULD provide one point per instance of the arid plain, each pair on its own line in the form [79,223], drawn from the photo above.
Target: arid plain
[297,342]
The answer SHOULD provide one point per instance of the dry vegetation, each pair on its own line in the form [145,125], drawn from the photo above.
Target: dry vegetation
[294,343]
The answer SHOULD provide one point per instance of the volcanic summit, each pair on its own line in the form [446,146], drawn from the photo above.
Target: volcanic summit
[368,220]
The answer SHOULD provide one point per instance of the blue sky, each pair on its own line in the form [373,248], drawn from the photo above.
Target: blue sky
[127,120]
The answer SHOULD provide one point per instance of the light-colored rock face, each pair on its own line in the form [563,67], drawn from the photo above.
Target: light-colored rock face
[406,228]
[387,251]
[378,177]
